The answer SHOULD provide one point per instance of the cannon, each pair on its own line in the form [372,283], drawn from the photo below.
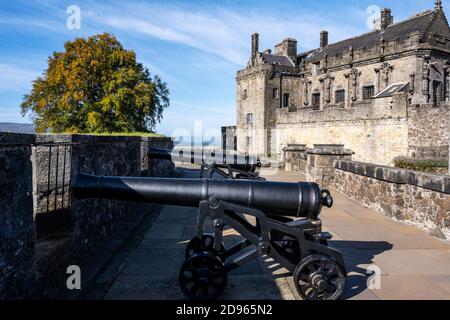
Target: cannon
[276,219]
[226,165]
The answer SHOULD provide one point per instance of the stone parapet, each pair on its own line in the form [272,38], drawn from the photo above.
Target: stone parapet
[419,198]
[320,162]
[294,157]
[434,182]
[16,214]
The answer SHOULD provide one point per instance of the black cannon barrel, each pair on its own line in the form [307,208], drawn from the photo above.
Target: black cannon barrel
[236,161]
[273,198]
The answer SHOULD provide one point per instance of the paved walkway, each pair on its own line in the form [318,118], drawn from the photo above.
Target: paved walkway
[413,265]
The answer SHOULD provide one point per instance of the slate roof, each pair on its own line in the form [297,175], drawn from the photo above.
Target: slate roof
[274,59]
[400,31]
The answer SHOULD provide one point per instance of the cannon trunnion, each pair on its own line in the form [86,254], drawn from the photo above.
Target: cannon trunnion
[279,220]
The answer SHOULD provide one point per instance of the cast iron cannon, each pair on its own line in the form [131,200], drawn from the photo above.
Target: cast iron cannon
[276,219]
[225,164]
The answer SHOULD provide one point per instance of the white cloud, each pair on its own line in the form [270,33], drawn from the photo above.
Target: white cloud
[222,32]
[13,77]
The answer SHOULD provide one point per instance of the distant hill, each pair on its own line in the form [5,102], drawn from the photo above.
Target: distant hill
[17,127]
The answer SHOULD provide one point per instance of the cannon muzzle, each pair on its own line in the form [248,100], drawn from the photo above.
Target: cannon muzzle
[273,198]
[220,159]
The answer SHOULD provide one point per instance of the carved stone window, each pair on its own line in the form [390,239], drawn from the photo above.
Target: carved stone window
[275,93]
[249,118]
[339,96]
[315,100]
[437,93]
[368,92]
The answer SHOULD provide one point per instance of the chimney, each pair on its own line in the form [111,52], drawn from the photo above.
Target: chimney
[255,44]
[287,48]
[323,39]
[438,5]
[386,19]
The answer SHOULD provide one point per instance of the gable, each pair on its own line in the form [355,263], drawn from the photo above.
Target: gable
[438,32]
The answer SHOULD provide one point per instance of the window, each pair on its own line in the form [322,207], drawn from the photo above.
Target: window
[316,101]
[249,118]
[368,92]
[437,93]
[275,93]
[339,96]
[244,95]
[316,69]
[285,100]
[249,141]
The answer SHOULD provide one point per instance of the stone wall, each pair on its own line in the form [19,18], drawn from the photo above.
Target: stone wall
[33,267]
[320,163]
[154,167]
[428,129]
[419,198]
[294,157]
[376,131]
[16,214]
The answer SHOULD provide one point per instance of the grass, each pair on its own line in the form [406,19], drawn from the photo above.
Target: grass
[423,165]
[119,134]
[128,134]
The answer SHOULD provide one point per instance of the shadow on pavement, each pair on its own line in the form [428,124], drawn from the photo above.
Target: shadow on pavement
[358,257]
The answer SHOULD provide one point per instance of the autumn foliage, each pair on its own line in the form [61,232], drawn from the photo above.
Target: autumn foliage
[96,86]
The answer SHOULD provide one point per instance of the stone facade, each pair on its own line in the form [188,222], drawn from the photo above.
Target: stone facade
[419,198]
[377,93]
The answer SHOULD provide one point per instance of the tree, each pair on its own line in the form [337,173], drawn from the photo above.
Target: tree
[96,86]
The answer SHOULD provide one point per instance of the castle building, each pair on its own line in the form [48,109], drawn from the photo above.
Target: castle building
[382,94]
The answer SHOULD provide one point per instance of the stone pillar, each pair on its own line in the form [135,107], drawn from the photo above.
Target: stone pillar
[294,157]
[320,162]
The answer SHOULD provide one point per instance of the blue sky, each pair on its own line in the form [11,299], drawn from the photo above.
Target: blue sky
[195,46]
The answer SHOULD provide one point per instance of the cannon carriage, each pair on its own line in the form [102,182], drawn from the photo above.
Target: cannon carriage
[278,220]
